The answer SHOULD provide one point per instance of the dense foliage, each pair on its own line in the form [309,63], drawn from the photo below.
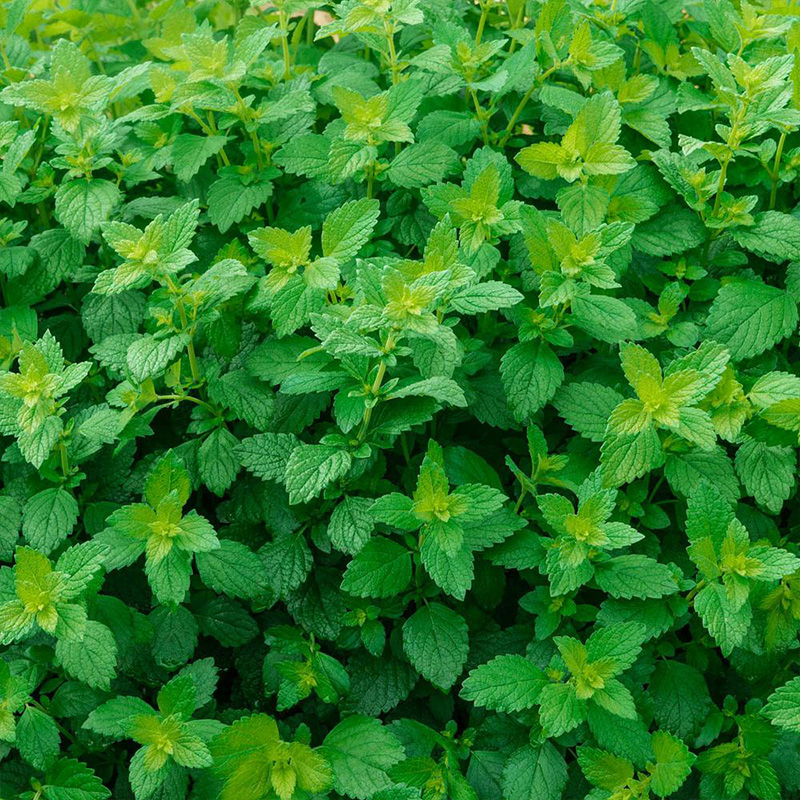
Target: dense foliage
[399,400]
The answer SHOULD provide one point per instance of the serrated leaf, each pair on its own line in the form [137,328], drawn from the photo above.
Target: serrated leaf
[436,641]
[506,683]
[748,317]
[361,751]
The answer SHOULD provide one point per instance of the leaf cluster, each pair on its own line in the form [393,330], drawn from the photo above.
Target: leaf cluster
[399,400]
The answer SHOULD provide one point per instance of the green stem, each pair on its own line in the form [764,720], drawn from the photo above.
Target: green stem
[245,116]
[4,56]
[196,117]
[720,186]
[515,116]
[524,101]
[514,24]
[392,52]
[655,489]
[287,59]
[185,328]
[193,367]
[776,168]
[177,398]
[64,732]
[404,446]
[376,386]
[65,468]
[370,179]
[732,144]
[693,593]
[208,131]
[374,389]
[481,23]
[481,116]
[43,213]
[40,151]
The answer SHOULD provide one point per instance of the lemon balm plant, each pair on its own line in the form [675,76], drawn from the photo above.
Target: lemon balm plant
[399,400]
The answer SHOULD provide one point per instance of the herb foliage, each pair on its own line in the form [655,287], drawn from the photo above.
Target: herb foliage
[399,400]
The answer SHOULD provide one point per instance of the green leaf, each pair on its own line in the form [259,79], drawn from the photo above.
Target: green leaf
[436,641]
[149,357]
[635,576]
[773,236]
[351,524]
[531,373]
[190,152]
[230,198]
[348,229]
[114,717]
[360,752]
[10,518]
[48,519]
[767,472]
[169,578]
[723,620]
[241,752]
[673,764]
[685,471]
[82,206]
[38,740]
[674,230]
[217,460]
[382,568]
[783,706]
[453,572]
[267,454]
[486,296]
[586,407]
[287,561]
[583,206]
[70,779]
[618,647]
[92,659]
[605,770]
[422,164]
[681,699]
[507,683]
[560,709]
[604,318]
[232,569]
[311,468]
[440,388]
[749,317]
[535,773]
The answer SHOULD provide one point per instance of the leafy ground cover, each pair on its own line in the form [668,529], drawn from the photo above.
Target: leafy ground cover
[399,400]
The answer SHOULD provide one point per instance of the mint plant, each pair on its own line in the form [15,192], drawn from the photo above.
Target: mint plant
[399,400]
